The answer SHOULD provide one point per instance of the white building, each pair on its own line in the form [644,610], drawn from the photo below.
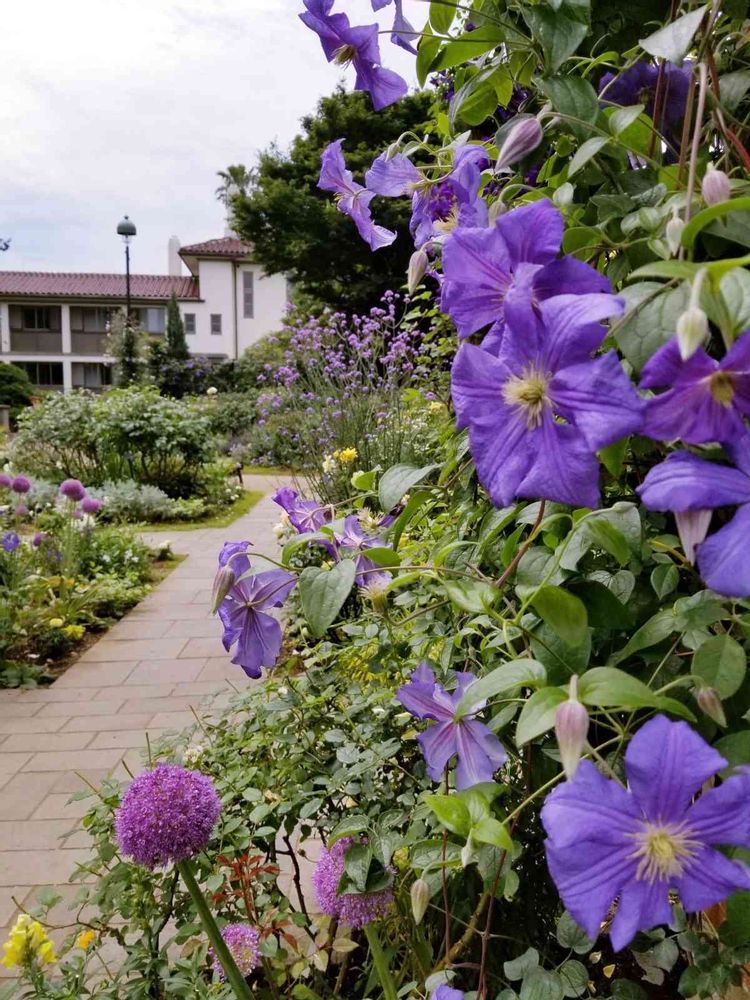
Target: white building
[55,325]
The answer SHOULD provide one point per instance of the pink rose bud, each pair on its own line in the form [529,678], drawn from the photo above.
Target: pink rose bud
[223,583]
[571,730]
[418,264]
[522,139]
[709,702]
[420,898]
[715,187]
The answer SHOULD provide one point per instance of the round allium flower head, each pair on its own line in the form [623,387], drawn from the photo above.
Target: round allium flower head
[166,815]
[6,481]
[20,485]
[73,489]
[243,942]
[38,539]
[351,909]
[90,505]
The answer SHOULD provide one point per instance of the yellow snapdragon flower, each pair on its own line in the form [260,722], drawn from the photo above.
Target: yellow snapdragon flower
[56,623]
[75,632]
[85,938]
[28,941]
[345,455]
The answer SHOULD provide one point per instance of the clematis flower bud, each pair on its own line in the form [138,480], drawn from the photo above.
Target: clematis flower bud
[692,527]
[522,139]
[563,196]
[571,730]
[715,187]
[709,702]
[420,898]
[223,582]
[418,263]
[674,233]
[692,331]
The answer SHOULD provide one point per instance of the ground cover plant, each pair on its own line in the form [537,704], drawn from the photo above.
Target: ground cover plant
[507,719]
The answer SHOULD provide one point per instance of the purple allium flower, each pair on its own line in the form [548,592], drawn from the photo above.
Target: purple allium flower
[344,44]
[478,751]
[351,198]
[38,539]
[684,483]
[501,273]
[10,541]
[21,510]
[544,371]
[20,485]
[73,489]
[642,843]
[304,515]
[6,481]
[351,909]
[637,85]
[243,615]
[707,399]
[243,942]
[166,815]
[90,505]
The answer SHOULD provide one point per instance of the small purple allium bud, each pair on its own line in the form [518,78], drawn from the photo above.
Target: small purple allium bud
[692,527]
[21,510]
[38,539]
[673,234]
[223,582]
[709,702]
[166,815]
[571,730]
[6,481]
[78,514]
[73,489]
[10,541]
[715,187]
[692,331]
[418,264]
[522,139]
[90,505]
[20,485]
[420,899]
[351,909]
[243,942]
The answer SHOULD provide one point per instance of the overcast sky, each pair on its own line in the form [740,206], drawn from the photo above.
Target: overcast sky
[131,106]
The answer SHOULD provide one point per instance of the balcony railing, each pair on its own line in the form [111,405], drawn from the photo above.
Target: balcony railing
[88,343]
[36,342]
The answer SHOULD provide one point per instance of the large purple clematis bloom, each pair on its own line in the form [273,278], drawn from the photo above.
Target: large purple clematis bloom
[304,515]
[344,44]
[498,274]
[353,538]
[478,751]
[436,208]
[640,844]
[686,484]
[539,411]
[243,613]
[707,399]
[637,85]
[352,198]
[402,32]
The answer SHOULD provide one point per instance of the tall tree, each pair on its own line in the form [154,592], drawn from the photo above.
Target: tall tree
[296,229]
[235,179]
[175,341]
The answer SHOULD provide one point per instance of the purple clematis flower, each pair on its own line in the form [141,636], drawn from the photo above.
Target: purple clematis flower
[478,751]
[353,538]
[402,31]
[690,486]
[344,44]
[707,399]
[304,515]
[498,274]
[243,613]
[436,208]
[640,844]
[513,403]
[444,992]
[234,554]
[10,541]
[352,199]
[637,85]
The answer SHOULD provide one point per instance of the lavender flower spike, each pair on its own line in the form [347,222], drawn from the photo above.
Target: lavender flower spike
[352,199]
[641,844]
[244,615]
[478,751]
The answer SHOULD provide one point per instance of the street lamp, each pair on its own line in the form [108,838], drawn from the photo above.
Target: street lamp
[127,230]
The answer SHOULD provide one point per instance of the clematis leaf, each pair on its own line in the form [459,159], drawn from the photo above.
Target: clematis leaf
[538,713]
[721,664]
[398,480]
[516,673]
[673,41]
[452,813]
[563,612]
[323,592]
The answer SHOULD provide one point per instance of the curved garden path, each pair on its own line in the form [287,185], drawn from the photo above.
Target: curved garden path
[145,675]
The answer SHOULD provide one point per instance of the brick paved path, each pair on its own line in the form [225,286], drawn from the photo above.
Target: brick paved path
[144,675]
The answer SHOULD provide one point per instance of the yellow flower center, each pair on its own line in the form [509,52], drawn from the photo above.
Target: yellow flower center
[530,392]
[663,850]
[344,55]
[448,224]
[722,388]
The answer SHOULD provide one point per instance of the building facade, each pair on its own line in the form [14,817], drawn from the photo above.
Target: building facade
[55,325]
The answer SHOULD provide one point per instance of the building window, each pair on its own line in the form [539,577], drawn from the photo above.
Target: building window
[35,319]
[152,320]
[90,319]
[189,323]
[216,324]
[91,375]
[44,374]
[248,294]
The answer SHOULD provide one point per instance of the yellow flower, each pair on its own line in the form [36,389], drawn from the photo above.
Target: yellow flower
[345,455]
[74,632]
[436,406]
[84,939]
[55,623]
[28,941]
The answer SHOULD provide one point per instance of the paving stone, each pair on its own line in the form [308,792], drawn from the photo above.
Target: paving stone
[122,739]
[36,868]
[71,708]
[59,805]
[8,908]
[72,760]
[172,721]
[203,647]
[220,668]
[23,793]
[53,694]
[165,671]
[32,725]
[12,763]
[141,691]
[105,723]
[35,835]
[11,709]
[95,675]
[110,651]
[47,741]
[136,628]
[207,627]
[78,780]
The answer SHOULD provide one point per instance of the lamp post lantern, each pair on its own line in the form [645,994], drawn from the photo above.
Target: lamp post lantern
[126,229]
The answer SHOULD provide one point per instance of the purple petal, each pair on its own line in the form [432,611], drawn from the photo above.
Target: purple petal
[357,206]
[384,86]
[721,815]
[692,527]
[418,698]
[691,414]
[564,467]
[438,745]
[477,271]
[502,453]
[480,753]
[259,644]
[723,558]
[664,367]
[685,482]
[642,905]
[532,232]
[476,385]
[269,589]
[572,328]
[709,879]
[402,32]
[590,808]
[334,175]
[666,764]
[392,177]
[569,276]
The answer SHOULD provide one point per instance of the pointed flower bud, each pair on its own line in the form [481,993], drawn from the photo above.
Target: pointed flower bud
[571,730]
[420,898]
[674,233]
[715,187]
[692,331]
[418,264]
[692,527]
[522,139]
[563,196]
[709,702]
[223,583]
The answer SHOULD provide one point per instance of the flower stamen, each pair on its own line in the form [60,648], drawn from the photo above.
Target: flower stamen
[663,851]
[530,392]
[722,387]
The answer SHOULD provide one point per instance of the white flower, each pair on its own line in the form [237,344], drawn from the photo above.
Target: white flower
[329,464]
[211,391]
[193,754]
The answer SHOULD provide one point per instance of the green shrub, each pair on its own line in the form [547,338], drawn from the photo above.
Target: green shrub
[16,389]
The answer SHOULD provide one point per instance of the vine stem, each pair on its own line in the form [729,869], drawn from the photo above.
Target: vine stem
[692,171]
[523,548]
[234,977]
[380,962]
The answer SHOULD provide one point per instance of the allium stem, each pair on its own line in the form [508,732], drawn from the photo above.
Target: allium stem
[234,977]
[380,962]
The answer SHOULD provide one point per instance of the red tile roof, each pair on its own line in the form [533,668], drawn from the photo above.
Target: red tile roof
[40,284]
[227,246]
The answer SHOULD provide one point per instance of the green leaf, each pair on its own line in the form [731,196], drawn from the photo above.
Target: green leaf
[383,556]
[538,714]
[604,610]
[415,503]
[517,968]
[733,87]
[451,812]
[664,579]
[734,289]
[323,592]
[570,935]
[474,101]
[468,46]
[735,747]
[558,34]
[350,826]
[398,480]
[542,985]
[708,215]
[470,595]
[609,538]
[623,989]
[667,269]
[585,152]
[428,48]
[721,664]
[606,686]
[506,677]
[575,978]
[492,831]
[621,118]
[299,542]
[673,41]
[571,95]
[613,456]
[364,480]
[563,612]
[357,865]
[650,319]
[441,15]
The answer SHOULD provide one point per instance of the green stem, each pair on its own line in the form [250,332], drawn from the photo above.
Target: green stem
[234,977]
[380,962]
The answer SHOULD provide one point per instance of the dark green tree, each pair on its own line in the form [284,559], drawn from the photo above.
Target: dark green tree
[127,346]
[175,342]
[16,388]
[296,229]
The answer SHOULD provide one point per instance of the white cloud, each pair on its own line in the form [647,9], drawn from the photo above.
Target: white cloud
[109,107]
